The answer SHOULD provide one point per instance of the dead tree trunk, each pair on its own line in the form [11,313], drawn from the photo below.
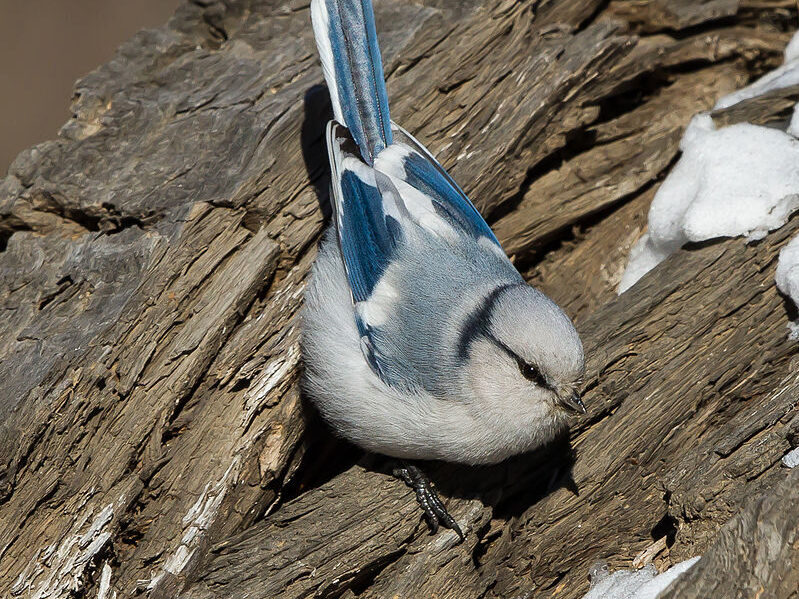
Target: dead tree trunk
[152,262]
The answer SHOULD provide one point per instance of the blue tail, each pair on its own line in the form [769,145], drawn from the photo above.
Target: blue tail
[347,42]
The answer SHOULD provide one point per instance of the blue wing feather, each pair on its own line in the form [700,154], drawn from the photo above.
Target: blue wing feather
[367,236]
[416,167]
[366,242]
[449,201]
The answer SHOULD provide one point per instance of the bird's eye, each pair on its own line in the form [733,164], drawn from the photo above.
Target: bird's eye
[531,373]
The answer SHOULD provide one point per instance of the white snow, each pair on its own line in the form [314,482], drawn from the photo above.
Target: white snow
[791,52]
[645,583]
[793,126]
[737,180]
[784,76]
[791,459]
[787,278]
[788,270]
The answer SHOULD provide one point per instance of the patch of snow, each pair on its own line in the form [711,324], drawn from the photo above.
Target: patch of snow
[793,126]
[787,276]
[738,180]
[660,583]
[621,584]
[645,583]
[792,49]
[784,76]
[645,255]
[791,459]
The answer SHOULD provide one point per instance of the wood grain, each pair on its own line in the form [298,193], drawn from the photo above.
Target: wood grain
[153,438]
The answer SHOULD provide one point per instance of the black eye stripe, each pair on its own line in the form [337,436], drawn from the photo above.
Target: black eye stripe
[475,324]
[529,371]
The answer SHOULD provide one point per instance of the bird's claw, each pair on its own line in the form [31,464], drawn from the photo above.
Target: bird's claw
[435,512]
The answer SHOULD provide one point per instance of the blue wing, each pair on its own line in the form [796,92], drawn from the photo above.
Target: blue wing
[369,219]
[367,212]
[347,42]
[412,168]
[375,206]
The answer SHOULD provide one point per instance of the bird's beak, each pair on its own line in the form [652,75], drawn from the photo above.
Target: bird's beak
[571,401]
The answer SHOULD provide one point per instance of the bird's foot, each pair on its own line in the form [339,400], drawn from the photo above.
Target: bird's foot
[435,512]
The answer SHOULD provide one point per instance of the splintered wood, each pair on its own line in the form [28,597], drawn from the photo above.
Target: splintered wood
[153,438]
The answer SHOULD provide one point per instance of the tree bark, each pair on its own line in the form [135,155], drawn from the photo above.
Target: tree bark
[154,441]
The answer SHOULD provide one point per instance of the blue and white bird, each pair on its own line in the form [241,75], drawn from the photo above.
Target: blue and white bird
[421,339]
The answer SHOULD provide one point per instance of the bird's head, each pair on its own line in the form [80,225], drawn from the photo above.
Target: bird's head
[522,351]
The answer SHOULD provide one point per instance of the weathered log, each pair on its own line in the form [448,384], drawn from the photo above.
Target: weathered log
[152,262]
[755,553]
[667,371]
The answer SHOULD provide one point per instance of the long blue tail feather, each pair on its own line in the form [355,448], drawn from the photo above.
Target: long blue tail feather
[347,41]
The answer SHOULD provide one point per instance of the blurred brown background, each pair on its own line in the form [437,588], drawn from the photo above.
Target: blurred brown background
[45,45]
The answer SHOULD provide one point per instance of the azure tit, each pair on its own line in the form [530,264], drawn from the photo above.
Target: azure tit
[421,339]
